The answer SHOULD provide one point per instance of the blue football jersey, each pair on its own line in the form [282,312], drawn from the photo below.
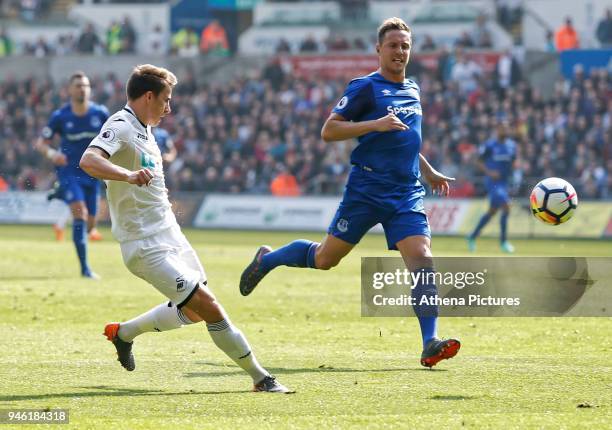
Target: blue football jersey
[163,140]
[391,156]
[76,132]
[499,157]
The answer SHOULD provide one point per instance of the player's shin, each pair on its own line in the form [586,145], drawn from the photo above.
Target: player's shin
[484,220]
[299,253]
[424,294]
[503,224]
[163,317]
[79,237]
[232,342]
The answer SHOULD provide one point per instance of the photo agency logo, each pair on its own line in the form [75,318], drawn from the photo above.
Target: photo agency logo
[488,286]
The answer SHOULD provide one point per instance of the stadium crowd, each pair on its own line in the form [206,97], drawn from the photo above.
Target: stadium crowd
[260,134]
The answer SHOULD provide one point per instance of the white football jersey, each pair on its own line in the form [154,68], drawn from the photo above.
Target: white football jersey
[136,212]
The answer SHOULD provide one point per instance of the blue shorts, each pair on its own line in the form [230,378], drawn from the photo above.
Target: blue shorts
[367,202]
[498,195]
[80,188]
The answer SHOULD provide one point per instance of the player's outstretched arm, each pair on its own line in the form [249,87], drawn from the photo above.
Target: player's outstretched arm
[338,128]
[96,163]
[438,182]
[43,146]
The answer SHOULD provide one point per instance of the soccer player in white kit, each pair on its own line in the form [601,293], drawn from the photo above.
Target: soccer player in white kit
[127,158]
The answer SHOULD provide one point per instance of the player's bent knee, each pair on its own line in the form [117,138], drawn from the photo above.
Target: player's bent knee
[79,210]
[205,304]
[326,263]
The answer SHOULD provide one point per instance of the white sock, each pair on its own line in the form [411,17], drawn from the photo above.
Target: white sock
[163,317]
[231,341]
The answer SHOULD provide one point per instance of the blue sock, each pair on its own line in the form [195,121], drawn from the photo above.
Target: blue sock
[427,314]
[503,223]
[299,253]
[483,221]
[79,237]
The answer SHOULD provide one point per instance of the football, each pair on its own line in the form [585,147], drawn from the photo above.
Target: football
[553,201]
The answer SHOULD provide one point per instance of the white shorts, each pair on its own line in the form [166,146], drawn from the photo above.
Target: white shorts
[167,261]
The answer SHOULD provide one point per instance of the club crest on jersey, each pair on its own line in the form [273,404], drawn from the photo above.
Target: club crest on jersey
[95,122]
[342,103]
[342,225]
[69,124]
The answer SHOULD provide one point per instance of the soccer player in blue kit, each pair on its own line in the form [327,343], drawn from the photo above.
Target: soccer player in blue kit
[497,156]
[77,122]
[383,111]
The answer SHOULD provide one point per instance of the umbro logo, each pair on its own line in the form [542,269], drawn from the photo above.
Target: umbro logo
[386,92]
[141,136]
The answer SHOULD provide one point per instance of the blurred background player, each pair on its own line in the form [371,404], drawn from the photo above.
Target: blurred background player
[497,157]
[77,122]
[383,111]
[165,144]
[59,226]
[152,244]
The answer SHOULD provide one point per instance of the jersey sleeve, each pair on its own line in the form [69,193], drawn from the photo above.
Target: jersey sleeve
[484,151]
[357,99]
[113,137]
[53,127]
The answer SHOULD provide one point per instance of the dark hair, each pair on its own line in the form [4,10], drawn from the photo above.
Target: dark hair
[147,77]
[77,75]
[390,24]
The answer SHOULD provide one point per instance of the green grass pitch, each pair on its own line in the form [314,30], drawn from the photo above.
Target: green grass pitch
[305,326]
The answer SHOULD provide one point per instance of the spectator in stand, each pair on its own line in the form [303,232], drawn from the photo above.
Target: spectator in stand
[113,38]
[283,46]
[566,37]
[359,45]
[507,71]
[127,34]
[428,44]
[213,40]
[29,10]
[6,44]
[184,39]
[550,42]
[284,183]
[157,41]
[337,43]
[465,73]
[465,40]
[604,30]
[89,42]
[309,44]
[509,13]
[481,35]
[41,48]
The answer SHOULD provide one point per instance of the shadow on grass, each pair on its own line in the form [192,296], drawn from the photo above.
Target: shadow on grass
[453,397]
[106,391]
[37,277]
[286,371]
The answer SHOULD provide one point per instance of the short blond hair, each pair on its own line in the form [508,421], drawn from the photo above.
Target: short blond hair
[390,24]
[147,77]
